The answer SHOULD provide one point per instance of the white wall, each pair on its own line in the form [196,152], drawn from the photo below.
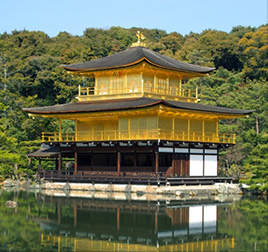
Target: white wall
[211,165]
[196,165]
[206,167]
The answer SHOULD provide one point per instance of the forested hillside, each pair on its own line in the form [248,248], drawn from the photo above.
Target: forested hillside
[31,76]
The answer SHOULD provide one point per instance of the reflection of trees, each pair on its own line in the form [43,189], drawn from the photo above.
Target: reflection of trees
[247,221]
[17,232]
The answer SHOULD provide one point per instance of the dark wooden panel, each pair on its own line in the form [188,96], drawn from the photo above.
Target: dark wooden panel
[181,165]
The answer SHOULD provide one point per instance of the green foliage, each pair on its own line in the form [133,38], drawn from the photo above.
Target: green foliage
[253,49]
[31,76]
[246,221]
[20,227]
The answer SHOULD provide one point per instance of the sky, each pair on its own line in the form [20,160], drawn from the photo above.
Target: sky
[182,16]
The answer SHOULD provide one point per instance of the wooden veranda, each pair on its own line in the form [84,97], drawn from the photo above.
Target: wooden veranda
[128,178]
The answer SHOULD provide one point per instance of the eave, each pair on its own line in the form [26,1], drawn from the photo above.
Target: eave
[132,57]
[143,64]
[81,109]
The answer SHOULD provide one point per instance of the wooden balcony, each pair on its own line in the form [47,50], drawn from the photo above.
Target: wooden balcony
[139,135]
[128,178]
[147,90]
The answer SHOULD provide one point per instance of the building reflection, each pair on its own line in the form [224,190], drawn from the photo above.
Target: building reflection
[108,225]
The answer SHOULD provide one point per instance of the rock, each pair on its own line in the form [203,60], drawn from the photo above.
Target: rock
[179,193]
[192,193]
[91,188]
[109,188]
[11,204]
[43,181]
[128,188]
[34,187]
[140,193]
[8,183]
[149,189]
[16,184]
[222,189]
[66,187]
[25,185]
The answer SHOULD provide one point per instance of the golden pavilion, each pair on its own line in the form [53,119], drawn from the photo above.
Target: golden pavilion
[137,124]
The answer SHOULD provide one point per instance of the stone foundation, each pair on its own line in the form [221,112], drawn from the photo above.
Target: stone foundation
[220,191]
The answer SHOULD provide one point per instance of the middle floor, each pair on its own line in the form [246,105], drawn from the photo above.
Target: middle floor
[144,124]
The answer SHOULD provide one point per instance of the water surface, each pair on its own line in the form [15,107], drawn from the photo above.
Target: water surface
[50,223]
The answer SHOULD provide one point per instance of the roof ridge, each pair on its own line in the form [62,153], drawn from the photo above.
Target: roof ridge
[164,58]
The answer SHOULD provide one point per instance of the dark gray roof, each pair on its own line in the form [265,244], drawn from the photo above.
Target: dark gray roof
[135,55]
[113,105]
[50,151]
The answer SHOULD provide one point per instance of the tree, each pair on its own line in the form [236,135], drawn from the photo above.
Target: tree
[253,49]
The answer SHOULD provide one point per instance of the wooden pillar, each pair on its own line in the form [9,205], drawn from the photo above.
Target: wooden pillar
[60,138]
[75,162]
[39,167]
[96,84]
[156,220]
[91,160]
[79,90]
[117,218]
[76,130]
[59,243]
[56,163]
[180,87]
[173,163]
[155,82]
[75,215]
[203,131]
[217,131]
[118,161]
[125,83]
[59,163]
[156,161]
[142,82]
[188,129]
[135,160]
[59,214]
[173,128]
[218,167]
[203,161]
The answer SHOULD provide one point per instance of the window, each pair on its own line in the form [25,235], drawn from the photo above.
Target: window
[117,85]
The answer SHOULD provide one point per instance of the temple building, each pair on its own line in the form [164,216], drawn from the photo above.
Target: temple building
[137,122]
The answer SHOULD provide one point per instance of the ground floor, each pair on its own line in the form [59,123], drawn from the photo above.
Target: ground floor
[130,162]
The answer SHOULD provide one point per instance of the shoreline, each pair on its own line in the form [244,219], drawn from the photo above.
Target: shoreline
[151,191]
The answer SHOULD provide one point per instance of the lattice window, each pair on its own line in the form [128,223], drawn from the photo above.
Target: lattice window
[117,85]
[161,85]
[133,86]
[103,88]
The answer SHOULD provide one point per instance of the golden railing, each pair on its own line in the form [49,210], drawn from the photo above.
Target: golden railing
[87,244]
[127,135]
[147,88]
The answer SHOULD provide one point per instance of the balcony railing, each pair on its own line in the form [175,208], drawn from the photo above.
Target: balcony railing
[98,176]
[147,89]
[127,135]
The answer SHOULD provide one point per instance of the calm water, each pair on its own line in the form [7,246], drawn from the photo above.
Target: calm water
[46,223]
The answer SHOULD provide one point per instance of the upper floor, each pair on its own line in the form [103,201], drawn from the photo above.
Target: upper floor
[137,82]
[137,72]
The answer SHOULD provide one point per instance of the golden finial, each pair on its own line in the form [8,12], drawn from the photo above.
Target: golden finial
[140,37]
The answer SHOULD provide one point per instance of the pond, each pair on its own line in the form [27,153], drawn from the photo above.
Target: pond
[53,223]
